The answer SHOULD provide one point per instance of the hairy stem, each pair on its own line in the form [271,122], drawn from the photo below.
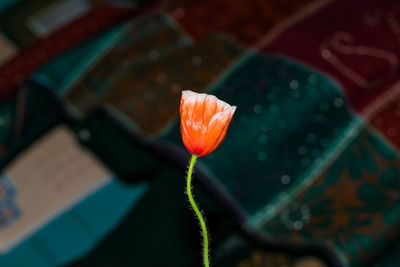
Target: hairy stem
[197,211]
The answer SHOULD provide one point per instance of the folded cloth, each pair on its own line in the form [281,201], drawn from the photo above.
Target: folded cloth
[246,22]
[360,50]
[30,58]
[141,77]
[311,156]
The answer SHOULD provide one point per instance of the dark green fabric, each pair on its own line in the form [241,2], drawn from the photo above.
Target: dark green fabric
[341,207]
[286,120]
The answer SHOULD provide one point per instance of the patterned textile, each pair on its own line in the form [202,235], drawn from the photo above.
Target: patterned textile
[283,122]
[311,159]
[352,222]
[247,23]
[170,69]
[387,121]
[36,53]
[350,49]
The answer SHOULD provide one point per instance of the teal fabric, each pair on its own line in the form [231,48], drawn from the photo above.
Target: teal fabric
[288,119]
[26,254]
[6,3]
[65,238]
[77,231]
[64,70]
[341,206]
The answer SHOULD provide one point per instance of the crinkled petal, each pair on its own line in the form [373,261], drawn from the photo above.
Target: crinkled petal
[217,129]
[204,121]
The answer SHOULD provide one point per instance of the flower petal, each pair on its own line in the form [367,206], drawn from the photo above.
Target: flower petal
[217,129]
[204,122]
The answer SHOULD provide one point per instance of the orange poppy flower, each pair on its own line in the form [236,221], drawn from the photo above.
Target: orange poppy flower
[204,122]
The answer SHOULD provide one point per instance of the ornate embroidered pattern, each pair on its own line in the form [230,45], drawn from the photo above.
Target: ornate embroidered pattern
[352,205]
[361,50]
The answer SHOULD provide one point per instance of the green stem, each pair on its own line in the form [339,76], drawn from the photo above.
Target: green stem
[197,211]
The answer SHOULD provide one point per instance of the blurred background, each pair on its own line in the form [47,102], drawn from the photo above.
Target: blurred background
[92,162]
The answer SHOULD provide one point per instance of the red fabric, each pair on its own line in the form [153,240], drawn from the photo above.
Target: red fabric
[387,121]
[29,59]
[245,21]
[369,42]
